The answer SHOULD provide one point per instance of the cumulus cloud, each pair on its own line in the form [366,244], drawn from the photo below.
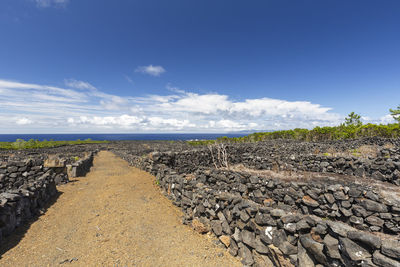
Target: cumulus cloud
[23,121]
[151,70]
[214,112]
[51,3]
[158,122]
[123,120]
[386,119]
[81,107]
[208,103]
[216,104]
[132,122]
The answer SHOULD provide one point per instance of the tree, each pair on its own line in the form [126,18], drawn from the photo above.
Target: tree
[19,143]
[353,119]
[395,113]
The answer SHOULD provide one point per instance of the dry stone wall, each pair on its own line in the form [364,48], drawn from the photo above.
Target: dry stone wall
[382,169]
[288,223]
[80,167]
[19,205]
[27,185]
[294,156]
[21,174]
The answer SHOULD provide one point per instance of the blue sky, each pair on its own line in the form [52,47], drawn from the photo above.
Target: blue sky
[195,66]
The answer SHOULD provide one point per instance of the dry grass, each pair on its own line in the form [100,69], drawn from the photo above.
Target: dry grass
[363,151]
[147,146]
[368,151]
[389,146]
[274,173]
[190,176]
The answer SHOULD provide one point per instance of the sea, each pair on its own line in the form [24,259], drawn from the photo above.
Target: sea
[118,137]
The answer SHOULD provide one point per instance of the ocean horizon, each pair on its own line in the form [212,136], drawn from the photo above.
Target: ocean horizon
[118,137]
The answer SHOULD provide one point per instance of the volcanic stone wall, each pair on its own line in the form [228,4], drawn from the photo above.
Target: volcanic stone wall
[382,169]
[20,174]
[383,146]
[291,156]
[27,185]
[288,223]
[80,167]
[364,207]
[18,205]
[25,188]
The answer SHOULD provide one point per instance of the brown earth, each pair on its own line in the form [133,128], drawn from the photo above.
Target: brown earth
[115,216]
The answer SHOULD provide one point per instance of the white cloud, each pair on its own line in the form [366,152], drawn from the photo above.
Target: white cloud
[386,119]
[208,104]
[175,123]
[23,121]
[175,89]
[123,120]
[128,79]
[50,90]
[275,107]
[151,70]
[81,107]
[51,3]
[79,84]
[229,124]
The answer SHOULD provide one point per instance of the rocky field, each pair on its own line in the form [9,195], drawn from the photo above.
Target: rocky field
[286,203]
[273,203]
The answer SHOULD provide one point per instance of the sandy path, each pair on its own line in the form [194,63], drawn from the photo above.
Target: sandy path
[115,216]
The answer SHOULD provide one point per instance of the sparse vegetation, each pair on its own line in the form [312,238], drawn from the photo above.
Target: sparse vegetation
[201,142]
[32,144]
[355,152]
[342,131]
[363,151]
[75,158]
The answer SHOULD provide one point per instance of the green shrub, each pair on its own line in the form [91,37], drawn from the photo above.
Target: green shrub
[351,131]
[32,144]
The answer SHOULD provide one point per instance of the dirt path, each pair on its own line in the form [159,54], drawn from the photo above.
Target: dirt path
[114,216]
